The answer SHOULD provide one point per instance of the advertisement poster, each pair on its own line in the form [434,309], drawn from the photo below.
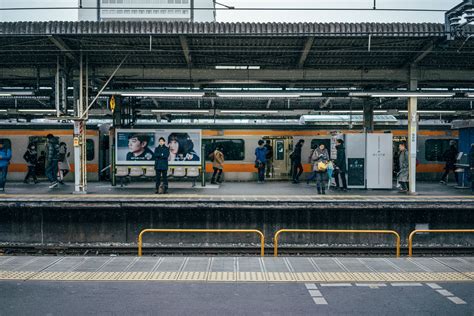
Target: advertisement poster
[136,146]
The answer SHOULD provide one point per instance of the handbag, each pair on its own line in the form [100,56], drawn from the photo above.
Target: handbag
[322,166]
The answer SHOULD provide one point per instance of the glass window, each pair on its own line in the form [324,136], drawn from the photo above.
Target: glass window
[435,148]
[185,1]
[90,152]
[280,150]
[316,142]
[6,143]
[233,149]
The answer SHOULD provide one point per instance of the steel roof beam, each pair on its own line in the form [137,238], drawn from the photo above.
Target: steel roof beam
[306,49]
[187,54]
[63,47]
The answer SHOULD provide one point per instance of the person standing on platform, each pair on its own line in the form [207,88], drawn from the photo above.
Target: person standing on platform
[340,162]
[269,164]
[31,158]
[5,156]
[217,165]
[403,160]
[63,165]
[260,160]
[450,156]
[471,166]
[297,167]
[320,167]
[161,155]
[52,158]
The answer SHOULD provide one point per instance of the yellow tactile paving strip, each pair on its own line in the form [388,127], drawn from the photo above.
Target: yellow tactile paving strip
[202,276]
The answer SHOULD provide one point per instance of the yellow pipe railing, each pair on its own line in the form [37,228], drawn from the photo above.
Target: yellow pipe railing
[262,237]
[357,231]
[413,233]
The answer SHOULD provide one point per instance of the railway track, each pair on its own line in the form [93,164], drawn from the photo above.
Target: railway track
[230,251]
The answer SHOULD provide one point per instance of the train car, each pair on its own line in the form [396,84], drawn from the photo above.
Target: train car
[17,137]
[239,147]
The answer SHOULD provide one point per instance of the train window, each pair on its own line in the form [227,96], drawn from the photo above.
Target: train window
[280,150]
[233,148]
[435,148]
[6,143]
[90,152]
[318,141]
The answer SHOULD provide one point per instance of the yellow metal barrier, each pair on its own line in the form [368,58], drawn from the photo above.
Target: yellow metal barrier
[262,237]
[357,231]
[413,233]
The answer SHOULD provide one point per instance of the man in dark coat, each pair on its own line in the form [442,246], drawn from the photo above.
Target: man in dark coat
[296,161]
[161,156]
[450,156]
[52,159]
[471,166]
[340,163]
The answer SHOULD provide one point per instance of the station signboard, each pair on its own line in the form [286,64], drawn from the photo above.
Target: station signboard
[136,146]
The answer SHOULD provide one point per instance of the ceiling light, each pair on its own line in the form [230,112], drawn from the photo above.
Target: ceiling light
[237,67]
[163,94]
[249,111]
[180,111]
[15,93]
[470,95]
[267,95]
[37,110]
[429,112]
[343,111]
[5,94]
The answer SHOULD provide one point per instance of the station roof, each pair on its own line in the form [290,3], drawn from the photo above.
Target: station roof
[174,55]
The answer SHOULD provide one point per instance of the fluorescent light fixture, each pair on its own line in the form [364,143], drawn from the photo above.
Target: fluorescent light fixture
[249,111]
[269,95]
[15,93]
[430,112]
[221,67]
[37,110]
[180,111]
[402,94]
[343,111]
[163,94]
[3,110]
[5,94]
[470,95]
[413,95]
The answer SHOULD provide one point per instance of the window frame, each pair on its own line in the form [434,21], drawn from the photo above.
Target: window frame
[212,142]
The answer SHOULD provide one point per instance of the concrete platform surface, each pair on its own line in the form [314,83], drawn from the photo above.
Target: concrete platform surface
[41,285]
[237,269]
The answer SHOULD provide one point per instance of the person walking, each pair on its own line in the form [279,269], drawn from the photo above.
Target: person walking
[63,164]
[297,167]
[161,156]
[340,162]
[450,156]
[260,160]
[320,160]
[471,166]
[269,164]
[217,165]
[5,157]
[31,158]
[402,176]
[52,158]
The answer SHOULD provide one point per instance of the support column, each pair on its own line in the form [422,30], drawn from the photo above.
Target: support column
[412,135]
[368,116]
[80,154]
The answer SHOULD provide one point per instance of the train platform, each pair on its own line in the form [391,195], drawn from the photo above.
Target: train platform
[236,285]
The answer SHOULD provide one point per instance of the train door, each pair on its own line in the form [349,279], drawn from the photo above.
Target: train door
[281,161]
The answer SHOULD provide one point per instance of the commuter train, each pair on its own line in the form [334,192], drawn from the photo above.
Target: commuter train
[238,143]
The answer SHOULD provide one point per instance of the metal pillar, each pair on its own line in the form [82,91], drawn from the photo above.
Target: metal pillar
[60,88]
[368,116]
[80,154]
[412,136]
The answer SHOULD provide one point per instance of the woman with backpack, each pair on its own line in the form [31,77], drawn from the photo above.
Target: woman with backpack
[63,163]
[320,161]
[217,158]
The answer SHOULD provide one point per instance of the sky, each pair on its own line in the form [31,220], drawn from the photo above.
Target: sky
[263,16]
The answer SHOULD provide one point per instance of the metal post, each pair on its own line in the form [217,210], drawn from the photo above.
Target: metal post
[412,137]
[368,116]
[80,167]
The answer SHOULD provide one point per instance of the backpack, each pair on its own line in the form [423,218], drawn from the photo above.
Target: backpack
[211,156]
[292,155]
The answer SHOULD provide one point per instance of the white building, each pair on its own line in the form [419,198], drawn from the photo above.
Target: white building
[108,10]
[152,10]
